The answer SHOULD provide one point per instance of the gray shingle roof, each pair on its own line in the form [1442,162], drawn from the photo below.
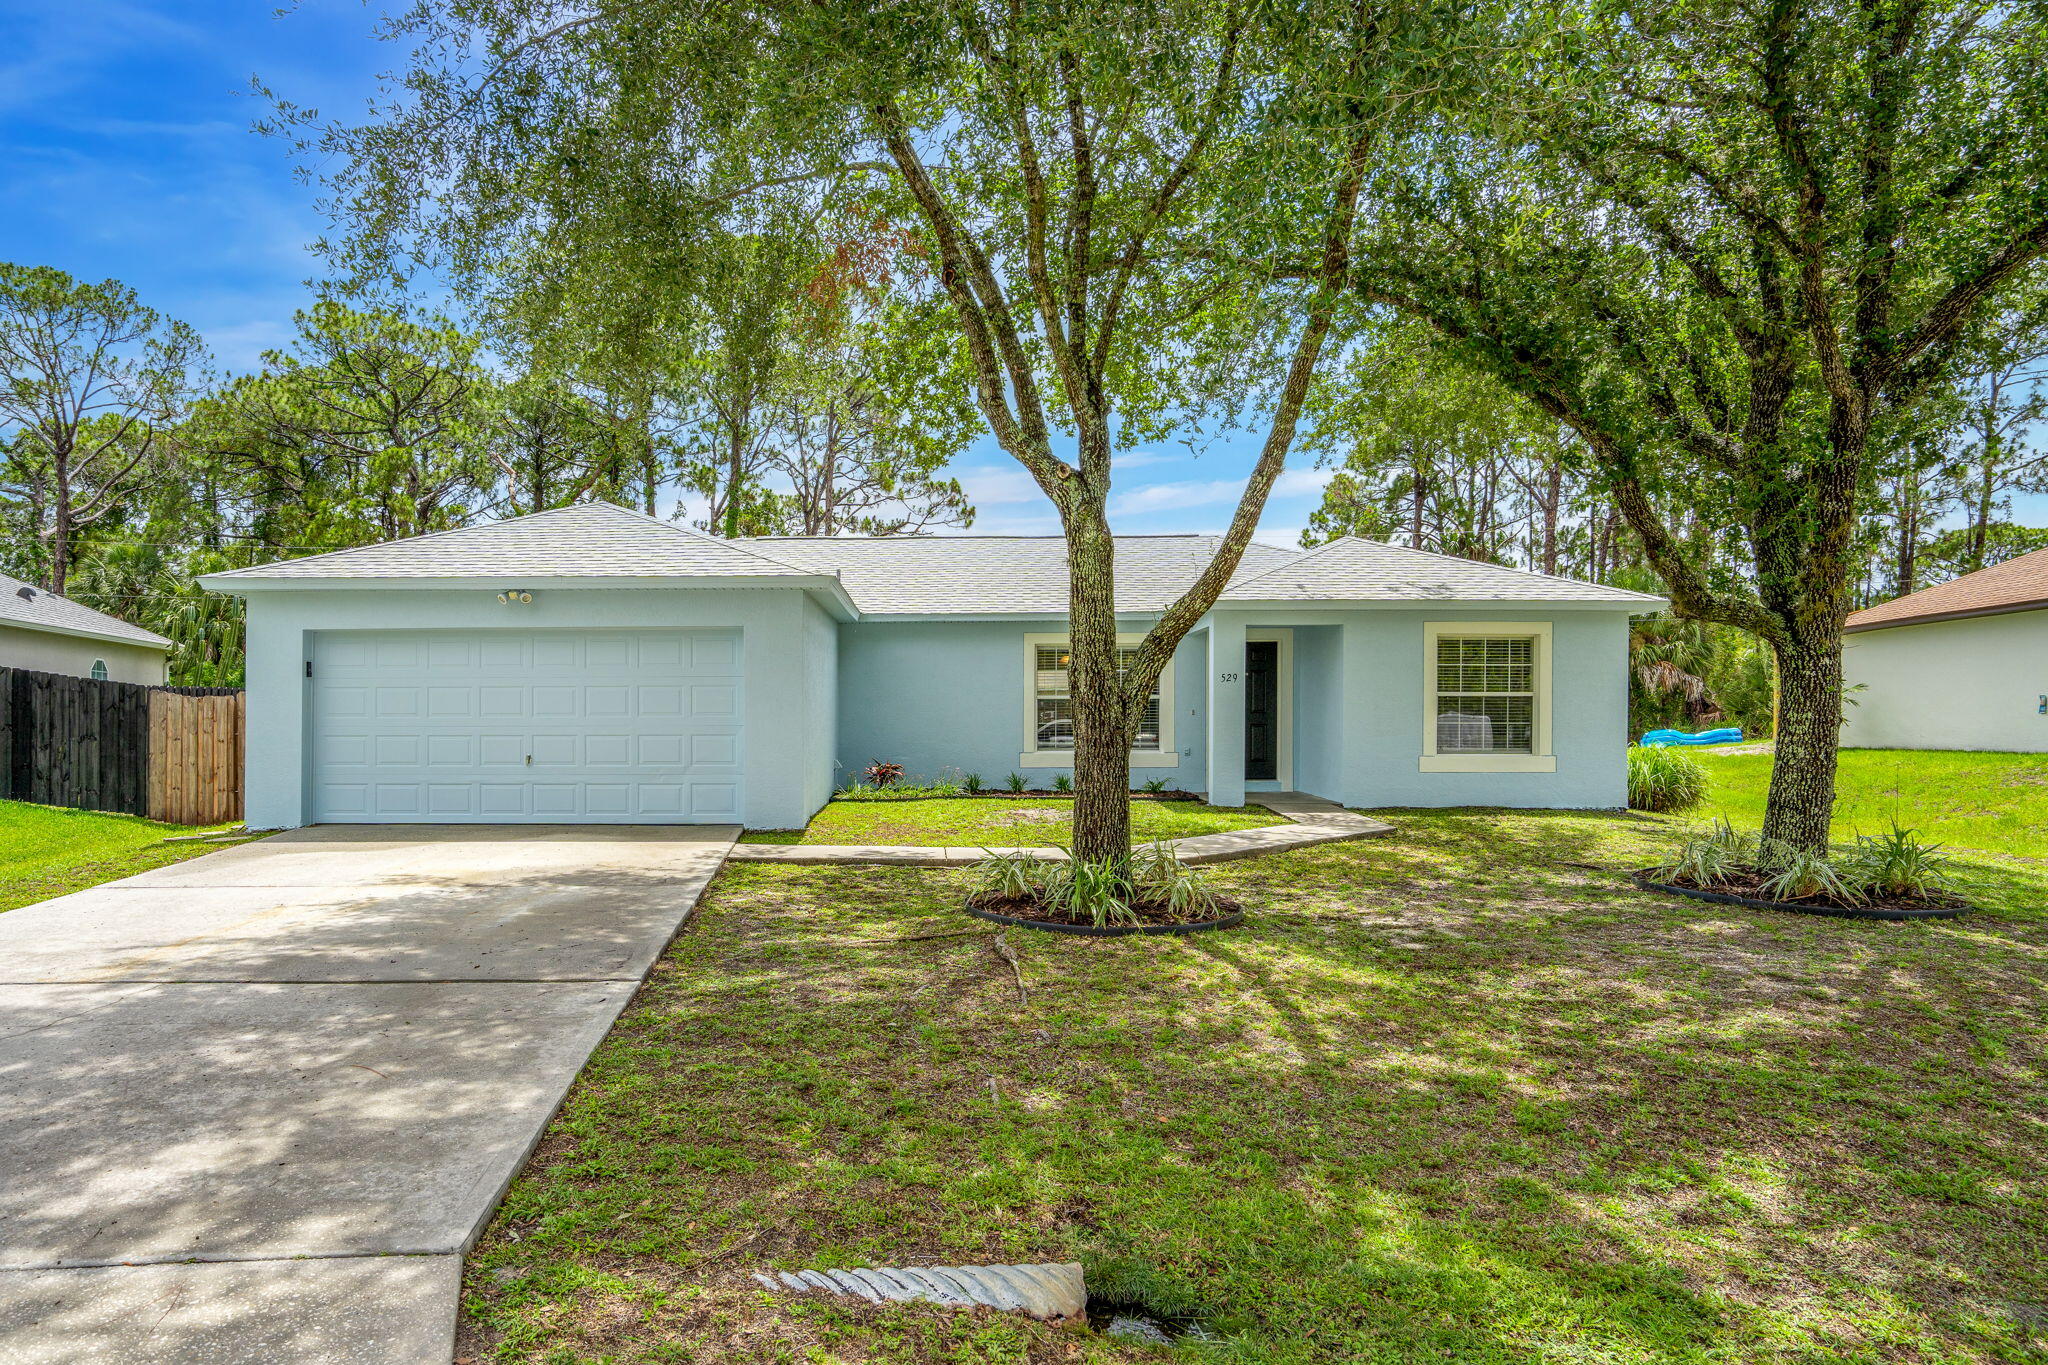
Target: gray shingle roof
[923,575]
[24,604]
[1354,570]
[1026,575]
[589,540]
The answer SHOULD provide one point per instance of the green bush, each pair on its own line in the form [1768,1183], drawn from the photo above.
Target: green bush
[1665,779]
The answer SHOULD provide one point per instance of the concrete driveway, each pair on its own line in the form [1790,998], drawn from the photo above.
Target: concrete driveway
[254,1106]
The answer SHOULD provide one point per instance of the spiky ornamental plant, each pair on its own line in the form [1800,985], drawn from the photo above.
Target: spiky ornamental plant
[1138,216]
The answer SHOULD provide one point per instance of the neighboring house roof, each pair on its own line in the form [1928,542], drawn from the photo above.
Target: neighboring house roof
[1354,570]
[994,575]
[2016,585]
[31,608]
[589,540]
[919,575]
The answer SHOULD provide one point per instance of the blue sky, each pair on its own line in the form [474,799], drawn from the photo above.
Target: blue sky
[125,133]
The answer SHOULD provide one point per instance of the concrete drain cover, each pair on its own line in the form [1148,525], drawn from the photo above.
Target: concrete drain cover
[1041,1291]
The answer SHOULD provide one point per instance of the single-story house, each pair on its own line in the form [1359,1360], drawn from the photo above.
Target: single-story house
[52,634]
[595,664]
[1960,665]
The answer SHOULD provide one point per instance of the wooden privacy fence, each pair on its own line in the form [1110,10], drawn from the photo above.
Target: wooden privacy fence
[170,753]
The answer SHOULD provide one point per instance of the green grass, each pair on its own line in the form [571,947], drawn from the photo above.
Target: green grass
[1997,803]
[1460,1094]
[993,823]
[48,851]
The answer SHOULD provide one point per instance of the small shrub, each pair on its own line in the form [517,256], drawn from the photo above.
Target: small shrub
[881,774]
[1159,875]
[1155,785]
[1665,779]
[1015,782]
[971,784]
[1798,873]
[1008,876]
[1713,859]
[1097,892]
[1063,783]
[1900,864]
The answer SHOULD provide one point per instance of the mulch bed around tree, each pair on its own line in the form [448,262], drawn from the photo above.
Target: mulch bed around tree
[1749,891]
[1151,917]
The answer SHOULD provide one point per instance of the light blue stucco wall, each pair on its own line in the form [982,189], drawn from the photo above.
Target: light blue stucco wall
[785,649]
[1318,708]
[1359,706]
[944,698]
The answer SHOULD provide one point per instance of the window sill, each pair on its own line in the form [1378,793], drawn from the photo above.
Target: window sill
[1064,758]
[1489,763]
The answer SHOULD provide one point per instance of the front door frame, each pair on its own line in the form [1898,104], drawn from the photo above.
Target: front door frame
[1283,689]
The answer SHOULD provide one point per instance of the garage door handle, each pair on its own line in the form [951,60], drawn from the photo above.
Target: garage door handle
[529,760]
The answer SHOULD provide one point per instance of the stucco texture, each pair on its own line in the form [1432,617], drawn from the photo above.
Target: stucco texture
[787,661]
[49,652]
[1973,683]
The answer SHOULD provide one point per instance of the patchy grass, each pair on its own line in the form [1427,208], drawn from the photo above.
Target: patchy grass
[969,823]
[1997,803]
[1456,1094]
[49,851]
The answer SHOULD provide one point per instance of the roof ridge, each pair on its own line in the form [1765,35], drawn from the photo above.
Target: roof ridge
[594,503]
[1460,560]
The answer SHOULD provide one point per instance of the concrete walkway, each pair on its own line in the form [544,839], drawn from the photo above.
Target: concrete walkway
[1312,821]
[255,1106]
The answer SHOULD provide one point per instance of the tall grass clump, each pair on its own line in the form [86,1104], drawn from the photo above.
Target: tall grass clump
[1664,779]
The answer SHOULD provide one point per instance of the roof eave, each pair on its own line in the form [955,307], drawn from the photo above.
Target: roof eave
[1963,614]
[826,586]
[153,641]
[1632,605]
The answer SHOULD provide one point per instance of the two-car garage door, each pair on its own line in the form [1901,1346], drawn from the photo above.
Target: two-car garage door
[506,726]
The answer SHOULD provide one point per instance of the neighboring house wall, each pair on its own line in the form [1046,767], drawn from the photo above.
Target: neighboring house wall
[787,668]
[49,652]
[945,698]
[1973,683]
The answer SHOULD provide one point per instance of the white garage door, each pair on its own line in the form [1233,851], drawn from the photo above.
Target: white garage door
[504,726]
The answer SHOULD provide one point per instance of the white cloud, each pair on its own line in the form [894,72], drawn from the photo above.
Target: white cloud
[994,485]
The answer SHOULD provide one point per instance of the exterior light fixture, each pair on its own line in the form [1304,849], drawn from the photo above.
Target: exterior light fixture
[514,595]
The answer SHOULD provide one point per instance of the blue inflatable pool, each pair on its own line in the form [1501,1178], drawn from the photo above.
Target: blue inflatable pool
[1658,738]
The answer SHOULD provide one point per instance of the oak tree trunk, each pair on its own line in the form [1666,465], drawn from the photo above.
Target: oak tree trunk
[1102,728]
[1801,803]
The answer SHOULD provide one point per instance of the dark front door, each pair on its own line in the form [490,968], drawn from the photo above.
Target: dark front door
[1261,710]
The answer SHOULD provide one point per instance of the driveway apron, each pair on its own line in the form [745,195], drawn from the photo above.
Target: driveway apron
[255,1106]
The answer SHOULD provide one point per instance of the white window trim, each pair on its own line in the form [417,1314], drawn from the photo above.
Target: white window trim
[99,672]
[1543,759]
[1283,683]
[1165,756]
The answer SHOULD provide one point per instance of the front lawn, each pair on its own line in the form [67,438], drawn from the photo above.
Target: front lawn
[1994,802]
[49,851]
[1455,1094]
[999,823]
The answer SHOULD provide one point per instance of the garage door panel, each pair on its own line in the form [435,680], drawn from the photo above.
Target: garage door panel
[547,725]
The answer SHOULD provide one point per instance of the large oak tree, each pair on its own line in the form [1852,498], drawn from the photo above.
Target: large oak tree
[1138,212]
[1730,242]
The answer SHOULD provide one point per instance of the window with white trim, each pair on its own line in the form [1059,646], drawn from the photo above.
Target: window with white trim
[1052,709]
[99,670]
[1486,698]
